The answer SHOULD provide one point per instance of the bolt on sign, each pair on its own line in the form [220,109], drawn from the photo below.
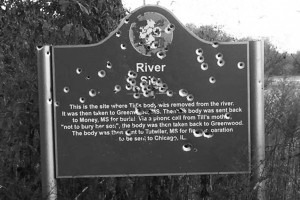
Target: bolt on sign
[151,99]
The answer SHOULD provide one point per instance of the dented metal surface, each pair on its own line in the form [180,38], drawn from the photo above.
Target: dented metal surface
[151,66]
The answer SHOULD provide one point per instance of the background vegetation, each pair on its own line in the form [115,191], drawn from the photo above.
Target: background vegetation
[26,24]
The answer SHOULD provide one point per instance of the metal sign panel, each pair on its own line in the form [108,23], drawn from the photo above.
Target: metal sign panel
[151,99]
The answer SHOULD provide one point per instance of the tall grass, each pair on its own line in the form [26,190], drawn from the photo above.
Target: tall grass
[282,123]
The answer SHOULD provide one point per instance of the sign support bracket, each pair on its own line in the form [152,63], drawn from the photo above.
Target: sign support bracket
[49,187]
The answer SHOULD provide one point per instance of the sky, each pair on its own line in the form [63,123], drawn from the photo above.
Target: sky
[278,20]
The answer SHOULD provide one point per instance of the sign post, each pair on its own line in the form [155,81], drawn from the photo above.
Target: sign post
[49,188]
[151,99]
[257,117]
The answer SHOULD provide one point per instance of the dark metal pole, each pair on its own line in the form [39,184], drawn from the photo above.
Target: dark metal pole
[257,116]
[49,188]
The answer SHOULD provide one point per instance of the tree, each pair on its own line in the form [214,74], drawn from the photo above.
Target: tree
[274,60]
[210,33]
[296,61]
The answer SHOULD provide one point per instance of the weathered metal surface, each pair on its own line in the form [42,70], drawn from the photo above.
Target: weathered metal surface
[49,188]
[151,99]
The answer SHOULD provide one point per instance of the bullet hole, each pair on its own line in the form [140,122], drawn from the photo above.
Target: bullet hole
[199,52]
[200,59]
[148,47]
[198,133]
[157,31]
[117,88]
[164,85]
[212,80]
[49,101]
[78,70]
[140,43]
[138,110]
[187,147]
[219,56]
[153,80]
[170,28]
[147,88]
[128,87]
[227,115]
[81,99]
[132,74]
[136,88]
[183,92]
[144,89]
[221,62]
[159,82]
[123,46]
[87,78]
[147,93]
[190,97]
[204,66]
[208,134]
[149,111]
[66,89]
[48,53]
[162,89]
[241,65]
[126,20]
[92,93]
[215,44]
[180,110]
[128,132]
[108,65]
[143,84]
[154,45]
[56,103]
[131,81]
[101,73]
[118,33]
[166,48]
[161,55]
[136,95]
[195,150]
[170,93]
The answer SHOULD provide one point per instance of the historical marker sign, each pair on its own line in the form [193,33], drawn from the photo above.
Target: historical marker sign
[151,99]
